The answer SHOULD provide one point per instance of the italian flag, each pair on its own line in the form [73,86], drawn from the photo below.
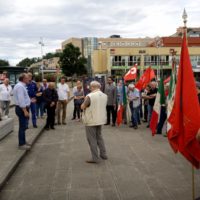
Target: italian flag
[160,100]
[171,96]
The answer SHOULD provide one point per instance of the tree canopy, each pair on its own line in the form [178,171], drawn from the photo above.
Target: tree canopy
[4,63]
[27,62]
[72,62]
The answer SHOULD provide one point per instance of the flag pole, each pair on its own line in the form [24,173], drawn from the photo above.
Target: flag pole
[184,16]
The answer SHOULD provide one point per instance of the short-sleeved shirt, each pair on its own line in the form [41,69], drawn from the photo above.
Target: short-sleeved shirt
[63,90]
[133,95]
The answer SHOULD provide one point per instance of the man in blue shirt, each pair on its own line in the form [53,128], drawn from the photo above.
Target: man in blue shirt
[22,102]
[32,90]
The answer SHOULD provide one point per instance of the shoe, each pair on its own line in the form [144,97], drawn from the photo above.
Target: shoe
[104,157]
[35,126]
[139,123]
[148,126]
[125,122]
[59,123]
[73,118]
[24,147]
[91,161]
[28,144]
[53,128]
[113,125]
[131,126]
[135,127]
[46,128]
[107,124]
[144,121]
[64,123]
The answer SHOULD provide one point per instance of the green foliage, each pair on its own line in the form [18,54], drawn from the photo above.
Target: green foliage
[71,61]
[51,55]
[27,62]
[4,63]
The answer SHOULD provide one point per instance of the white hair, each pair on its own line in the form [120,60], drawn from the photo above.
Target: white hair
[131,85]
[95,84]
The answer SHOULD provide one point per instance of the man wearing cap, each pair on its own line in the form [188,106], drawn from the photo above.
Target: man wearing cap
[134,103]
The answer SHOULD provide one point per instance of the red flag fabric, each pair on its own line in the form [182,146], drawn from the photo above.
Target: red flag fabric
[131,74]
[145,78]
[119,114]
[167,80]
[185,115]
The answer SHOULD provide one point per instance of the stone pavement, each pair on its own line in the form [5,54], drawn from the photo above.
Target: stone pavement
[10,155]
[139,168]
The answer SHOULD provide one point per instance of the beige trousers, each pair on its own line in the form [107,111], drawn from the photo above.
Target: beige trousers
[62,107]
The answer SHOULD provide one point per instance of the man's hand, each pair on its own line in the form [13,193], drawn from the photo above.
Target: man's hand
[198,135]
[52,104]
[26,113]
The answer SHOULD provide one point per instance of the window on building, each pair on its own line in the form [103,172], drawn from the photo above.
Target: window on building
[132,60]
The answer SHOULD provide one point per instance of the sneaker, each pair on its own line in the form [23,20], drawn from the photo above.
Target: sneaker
[24,147]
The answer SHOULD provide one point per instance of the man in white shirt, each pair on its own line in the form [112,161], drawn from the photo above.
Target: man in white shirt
[63,97]
[5,96]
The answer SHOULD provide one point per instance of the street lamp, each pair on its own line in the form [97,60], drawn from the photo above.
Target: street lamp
[41,43]
[158,43]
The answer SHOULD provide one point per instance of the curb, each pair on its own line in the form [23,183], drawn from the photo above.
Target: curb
[13,166]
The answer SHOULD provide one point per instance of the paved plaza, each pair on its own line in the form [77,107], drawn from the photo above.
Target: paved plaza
[140,167]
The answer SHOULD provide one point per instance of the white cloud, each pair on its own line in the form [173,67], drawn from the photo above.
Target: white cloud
[23,22]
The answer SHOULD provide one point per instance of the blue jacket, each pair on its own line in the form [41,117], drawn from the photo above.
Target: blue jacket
[32,89]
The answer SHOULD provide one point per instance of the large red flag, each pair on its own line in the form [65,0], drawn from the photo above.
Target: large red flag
[131,74]
[185,115]
[119,114]
[145,78]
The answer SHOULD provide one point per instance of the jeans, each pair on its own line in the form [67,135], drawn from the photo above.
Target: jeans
[163,116]
[134,114]
[39,108]
[33,114]
[150,110]
[22,125]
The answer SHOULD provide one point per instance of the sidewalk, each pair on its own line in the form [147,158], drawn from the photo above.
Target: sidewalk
[139,167]
[10,155]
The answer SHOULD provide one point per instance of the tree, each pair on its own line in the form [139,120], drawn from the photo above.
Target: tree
[4,63]
[27,62]
[71,61]
[51,55]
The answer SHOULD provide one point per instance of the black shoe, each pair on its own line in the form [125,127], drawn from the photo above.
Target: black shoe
[135,127]
[148,126]
[107,124]
[73,118]
[47,128]
[131,126]
[35,126]
[139,123]
[104,157]
[113,125]
[52,127]
[144,121]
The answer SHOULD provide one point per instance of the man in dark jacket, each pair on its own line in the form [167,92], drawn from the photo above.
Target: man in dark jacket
[50,97]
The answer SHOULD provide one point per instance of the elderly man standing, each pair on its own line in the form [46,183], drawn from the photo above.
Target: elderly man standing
[111,92]
[63,96]
[5,96]
[22,102]
[94,117]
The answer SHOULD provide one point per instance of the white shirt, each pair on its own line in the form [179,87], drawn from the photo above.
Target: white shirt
[5,92]
[63,90]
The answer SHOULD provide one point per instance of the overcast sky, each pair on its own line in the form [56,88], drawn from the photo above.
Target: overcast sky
[23,22]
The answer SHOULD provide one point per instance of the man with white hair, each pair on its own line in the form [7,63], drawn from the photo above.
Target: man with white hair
[94,116]
[134,103]
[5,96]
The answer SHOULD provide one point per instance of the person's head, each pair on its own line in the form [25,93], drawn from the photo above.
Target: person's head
[51,86]
[78,83]
[44,81]
[131,87]
[24,78]
[95,85]
[38,85]
[79,87]
[109,80]
[198,87]
[62,80]
[30,76]
[153,84]
[6,81]
[120,83]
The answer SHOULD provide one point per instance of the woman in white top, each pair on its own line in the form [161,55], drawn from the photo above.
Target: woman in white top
[5,96]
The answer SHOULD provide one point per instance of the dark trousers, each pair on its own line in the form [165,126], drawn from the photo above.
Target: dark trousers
[51,112]
[78,110]
[145,112]
[163,116]
[134,114]
[33,114]
[74,112]
[22,125]
[111,110]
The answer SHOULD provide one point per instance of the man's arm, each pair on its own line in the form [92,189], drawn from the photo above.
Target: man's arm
[86,103]
[198,135]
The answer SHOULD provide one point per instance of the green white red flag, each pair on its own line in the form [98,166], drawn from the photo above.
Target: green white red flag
[159,101]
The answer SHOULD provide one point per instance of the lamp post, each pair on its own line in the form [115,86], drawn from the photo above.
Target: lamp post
[158,43]
[41,43]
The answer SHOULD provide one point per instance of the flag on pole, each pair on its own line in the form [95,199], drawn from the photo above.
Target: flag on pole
[145,78]
[160,100]
[131,74]
[185,115]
